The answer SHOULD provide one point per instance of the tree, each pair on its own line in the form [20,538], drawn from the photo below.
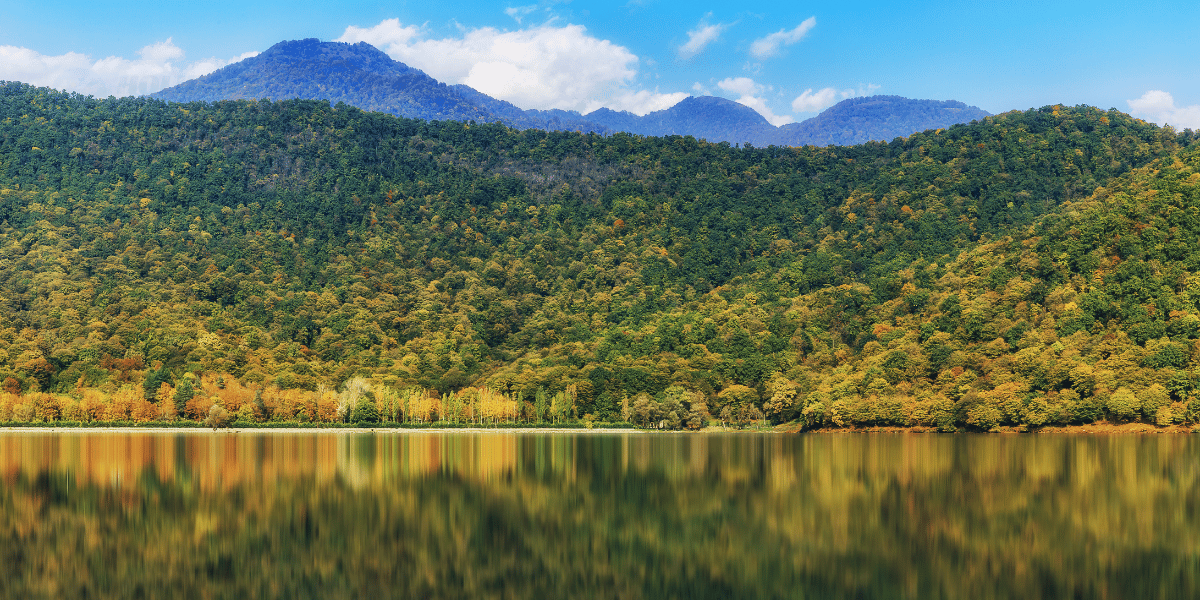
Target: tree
[1124,405]
[154,380]
[736,404]
[121,404]
[643,409]
[184,393]
[782,401]
[365,411]
[46,407]
[217,417]
[540,409]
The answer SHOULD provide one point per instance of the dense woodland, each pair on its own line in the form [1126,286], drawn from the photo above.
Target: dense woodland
[293,261]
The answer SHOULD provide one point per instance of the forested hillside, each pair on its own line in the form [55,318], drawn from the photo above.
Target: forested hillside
[1032,268]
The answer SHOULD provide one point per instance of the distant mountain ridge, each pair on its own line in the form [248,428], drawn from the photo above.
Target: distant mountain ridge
[859,120]
[363,76]
[707,117]
[360,75]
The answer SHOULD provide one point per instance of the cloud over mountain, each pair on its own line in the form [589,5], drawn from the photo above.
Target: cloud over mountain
[539,67]
[750,94]
[158,65]
[810,101]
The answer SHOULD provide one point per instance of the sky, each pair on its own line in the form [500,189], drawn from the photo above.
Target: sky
[787,60]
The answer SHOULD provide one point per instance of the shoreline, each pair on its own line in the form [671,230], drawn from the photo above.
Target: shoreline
[1090,429]
[321,430]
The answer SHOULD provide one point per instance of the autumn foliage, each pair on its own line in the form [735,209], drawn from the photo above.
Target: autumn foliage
[1034,268]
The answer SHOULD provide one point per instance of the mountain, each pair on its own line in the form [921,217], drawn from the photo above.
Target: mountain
[880,118]
[849,122]
[702,117]
[1030,268]
[360,75]
[363,76]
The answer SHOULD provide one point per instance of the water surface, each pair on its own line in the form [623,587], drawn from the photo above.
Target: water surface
[529,515]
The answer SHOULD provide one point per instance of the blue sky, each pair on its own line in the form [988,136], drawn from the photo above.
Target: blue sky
[787,60]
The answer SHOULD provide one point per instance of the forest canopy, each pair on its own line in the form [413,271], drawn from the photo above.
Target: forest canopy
[1031,268]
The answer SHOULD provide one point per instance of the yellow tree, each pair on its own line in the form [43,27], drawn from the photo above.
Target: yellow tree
[166,402]
[93,405]
[143,410]
[46,407]
[121,404]
[327,406]
[783,397]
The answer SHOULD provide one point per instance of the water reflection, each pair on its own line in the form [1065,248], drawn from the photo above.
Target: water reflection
[496,514]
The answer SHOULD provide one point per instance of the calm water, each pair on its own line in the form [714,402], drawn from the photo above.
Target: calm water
[503,515]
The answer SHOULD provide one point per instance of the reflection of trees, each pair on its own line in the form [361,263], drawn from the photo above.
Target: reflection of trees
[506,515]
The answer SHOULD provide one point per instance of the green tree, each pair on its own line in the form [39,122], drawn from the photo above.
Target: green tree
[366,412]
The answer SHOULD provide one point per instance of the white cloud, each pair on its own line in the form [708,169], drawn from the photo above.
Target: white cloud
[1159,107]
[740,85]
[769,46]
[750,94]
[865,90]
[158,66]
[760,106]
[387,34]
[540,67]
[517,12]
[817,101]
[703,35]
[639,102]
[208,65]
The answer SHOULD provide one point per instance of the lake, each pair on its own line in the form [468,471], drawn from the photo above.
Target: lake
[295,514]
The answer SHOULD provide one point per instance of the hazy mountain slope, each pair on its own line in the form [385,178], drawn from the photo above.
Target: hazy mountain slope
[363,76]
[358,74]
[881,118]
[703,117]
[512,115]
[849,122]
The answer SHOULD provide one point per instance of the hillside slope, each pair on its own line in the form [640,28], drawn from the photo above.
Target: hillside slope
[290,245]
